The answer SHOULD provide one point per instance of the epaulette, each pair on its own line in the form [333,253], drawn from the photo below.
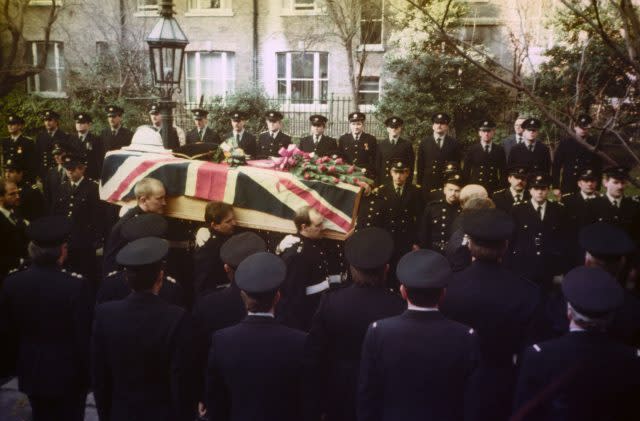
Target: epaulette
[112,273]
[568,194]
[288,242]
[14,270]
[537,348]
[433,202]
[432,190]
[34,187]
[170,279]
[499,191]
[525,203]
[266,131]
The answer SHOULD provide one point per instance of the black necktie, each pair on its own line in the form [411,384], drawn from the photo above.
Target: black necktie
[486,148]
[357,137]
[439,140]
[540,212]
[113,132]
[200,134]
[238,138]
[519,139]
[518,198]
[399,191]
[274,134]
[615,203]
[12,217]
[531,147]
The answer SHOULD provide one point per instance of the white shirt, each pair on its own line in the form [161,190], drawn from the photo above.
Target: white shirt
[6,213]
[260,313]
[484,145]
[611,199]
[586,196]
[515,193]
[528,144]
[417,308]
[76,183]
[536,205]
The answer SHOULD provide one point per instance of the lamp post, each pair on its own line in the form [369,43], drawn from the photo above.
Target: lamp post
[166,54]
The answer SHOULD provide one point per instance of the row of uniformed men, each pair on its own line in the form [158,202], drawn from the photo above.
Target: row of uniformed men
[368,354]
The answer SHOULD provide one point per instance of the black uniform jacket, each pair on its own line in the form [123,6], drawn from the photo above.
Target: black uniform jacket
[403,149]
[486,169]
[114,287]
[504,199]
[142,360]
[209,136]
[327,146]
[361,153]
[48,312]
[247,143]
[569,159]
[83,207]
[112,142]
[565,379]
[335,343]
[255,372]
[415,366]
[537,161]
[432,160]
[268,146]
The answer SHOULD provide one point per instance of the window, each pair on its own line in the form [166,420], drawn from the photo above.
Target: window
[303,77]
[50,81]
[147,5]
[209,8]
[205,4]
[209,74]
[369,92]
[371,23]
[304,4]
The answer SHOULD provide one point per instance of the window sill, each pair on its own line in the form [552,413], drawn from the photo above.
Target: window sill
[372,48]
[44,3]
[146,14]
[290,12]
[50,94]
[207,12]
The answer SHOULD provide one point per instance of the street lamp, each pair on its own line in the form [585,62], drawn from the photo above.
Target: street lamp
[166,54]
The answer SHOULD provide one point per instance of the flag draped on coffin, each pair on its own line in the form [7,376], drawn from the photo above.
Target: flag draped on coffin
[274,192]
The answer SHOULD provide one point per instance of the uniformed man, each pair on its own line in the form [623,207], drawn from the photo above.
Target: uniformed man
[142,352]
[13,247]
[565,378]
[208,268]
[485,162]
[241,386]
[318,143]
[78,200]
[343,316]
[531,153]
[357,147]
[393,147]
[19,146]
[32,205]
[48,312]
[46,140]
[202,133]
[416,365]
[450,169]
[270,142]
[56,175]
[510,141]
[116,135]
[499,305]
[115,287]
[438,215]
[539,246]
[150,196]
[90,145]
[570,158]
[307,270]
[614,207]
[156,124]
[435,152]
[239,137]
[517,192]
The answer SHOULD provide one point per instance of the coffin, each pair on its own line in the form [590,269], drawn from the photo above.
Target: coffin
[263,198]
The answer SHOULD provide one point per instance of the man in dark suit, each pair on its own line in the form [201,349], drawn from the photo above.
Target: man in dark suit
[47,139]
[485,162]
[531,153]
[435,152]
[116,135]
[438,215]
[48,313]
[540,243]
[255,368]
[393,147]
[32,205]
[565,378]
[270,142]
[416,365]
[114,286]
[173,142]
[499,305]
[56,175]
[208,268]
[343,316]
[202,132]
[614,207]
[13,247]
[150,196]
[357,147]
[20,147]
[90,145]
[239,137]
[318,142]
[510,141]
[78,200]
[570,158]
[516,193]
[142,352]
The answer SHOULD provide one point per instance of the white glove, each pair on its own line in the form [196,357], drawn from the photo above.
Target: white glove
[287,242]
[202,236]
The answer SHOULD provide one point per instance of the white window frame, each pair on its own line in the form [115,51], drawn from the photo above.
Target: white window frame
[377,46]
[196,9]
[33,83]
[228,80]
[369,107]
[44,3]
[290,8]
[317,82]
[143,10]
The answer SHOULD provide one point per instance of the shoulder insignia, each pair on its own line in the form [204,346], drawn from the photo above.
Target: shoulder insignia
[432,190]
[112,273]
[287,242]
[499,191]
[14,270]
[567,194]
[266,131]
[537,348]
[170,279]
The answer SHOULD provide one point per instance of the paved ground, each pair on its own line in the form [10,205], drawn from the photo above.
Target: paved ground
[14,406]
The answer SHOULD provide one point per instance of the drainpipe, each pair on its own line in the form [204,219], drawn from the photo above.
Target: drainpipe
[255,42]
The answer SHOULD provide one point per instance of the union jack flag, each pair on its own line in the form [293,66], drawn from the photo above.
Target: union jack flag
[274,192]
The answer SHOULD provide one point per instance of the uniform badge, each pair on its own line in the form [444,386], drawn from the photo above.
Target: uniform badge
[19,149]
[366,146]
